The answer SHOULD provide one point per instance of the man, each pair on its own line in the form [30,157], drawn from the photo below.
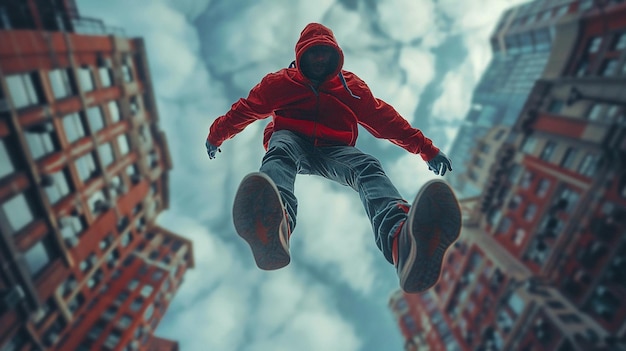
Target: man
[315,108]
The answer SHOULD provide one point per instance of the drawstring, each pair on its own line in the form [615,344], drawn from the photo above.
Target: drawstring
[345,85]
[341,77]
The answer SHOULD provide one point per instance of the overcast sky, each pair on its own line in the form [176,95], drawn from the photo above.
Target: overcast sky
[422,56]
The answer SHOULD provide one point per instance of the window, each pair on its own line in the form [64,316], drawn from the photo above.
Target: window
[594,112]
[157,275]
[504,225]
[68,285]
[106,76]
[585,5]
[76,302]
[38,256]
[71,226]
[117,187]
[114,110]
[96,330]
[85,76]
[588,165]
[112,339]
[96,120]
[121,297]
[124,322]
[122,142]
[134,105]
[98,203]
[59,187]
[568,158]
[530,211]
[95,279]
[110,313]
[24,89]
[112,258]
[106,242]
[133,284]
[74,127]
[60,80]
[529,144]
[86,167]
[136,304]
[106,154]
[548,150]
[148,313]
[146,290]
[527,179]
[41,139]
[6,166]
[609,68]
[594,45]
[88,262]
[127,70]
[126,238]
[561,11]
[582,68]
[17,212]
[146,136]
[542,187]
[620,42]
[556,106]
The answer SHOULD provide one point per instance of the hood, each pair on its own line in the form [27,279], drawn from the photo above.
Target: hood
[317,34]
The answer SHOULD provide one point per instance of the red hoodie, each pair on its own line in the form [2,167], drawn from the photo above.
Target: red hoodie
[328,114]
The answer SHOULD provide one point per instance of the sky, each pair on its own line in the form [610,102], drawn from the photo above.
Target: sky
[424,57]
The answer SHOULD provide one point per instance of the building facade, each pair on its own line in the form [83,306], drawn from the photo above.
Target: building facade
[83,175]
[521,45]
[540,262]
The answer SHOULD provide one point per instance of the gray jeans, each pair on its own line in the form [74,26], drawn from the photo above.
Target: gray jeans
[290,154]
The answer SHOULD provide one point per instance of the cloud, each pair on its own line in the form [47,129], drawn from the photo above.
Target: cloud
[192,9]
[455,99]
[335,234]
[474,20]
[409,173]
[226,303]
[405,20]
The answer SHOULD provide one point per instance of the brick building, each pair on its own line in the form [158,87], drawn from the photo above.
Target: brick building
[83,175]
[540,263]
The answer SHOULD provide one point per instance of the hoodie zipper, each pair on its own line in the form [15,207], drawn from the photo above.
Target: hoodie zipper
[317,113]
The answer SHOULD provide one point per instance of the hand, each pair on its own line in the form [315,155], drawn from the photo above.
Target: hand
[440,164]
[211,149]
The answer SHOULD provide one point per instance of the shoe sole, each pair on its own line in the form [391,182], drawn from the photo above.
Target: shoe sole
[258,214]
[435,224]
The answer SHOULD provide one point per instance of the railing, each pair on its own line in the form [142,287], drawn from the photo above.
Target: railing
[93,26]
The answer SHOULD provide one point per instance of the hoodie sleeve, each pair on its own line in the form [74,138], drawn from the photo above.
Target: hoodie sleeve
[383,121]
[243,112]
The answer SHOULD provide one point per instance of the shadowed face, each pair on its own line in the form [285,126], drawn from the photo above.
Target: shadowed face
[318,62]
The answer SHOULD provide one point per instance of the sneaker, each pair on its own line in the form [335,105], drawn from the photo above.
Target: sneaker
[432,225]
[261,220]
